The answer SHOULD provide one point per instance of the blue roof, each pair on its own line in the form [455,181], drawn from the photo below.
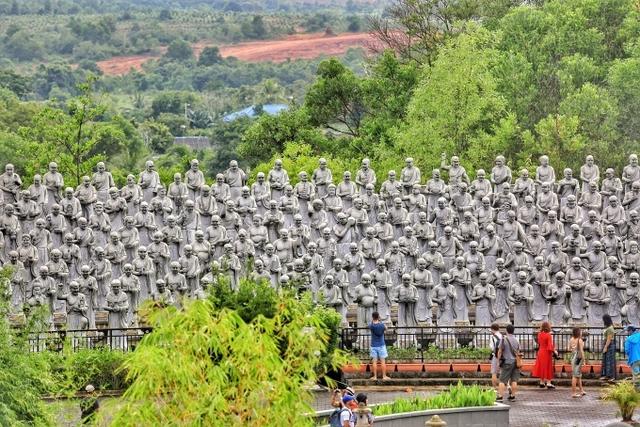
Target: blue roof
[270,109]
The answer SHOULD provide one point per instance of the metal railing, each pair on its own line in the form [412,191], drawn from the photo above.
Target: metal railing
[434,344]
[420,344]
[125,339]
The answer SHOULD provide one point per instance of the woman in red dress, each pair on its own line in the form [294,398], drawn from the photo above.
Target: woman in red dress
[543,367]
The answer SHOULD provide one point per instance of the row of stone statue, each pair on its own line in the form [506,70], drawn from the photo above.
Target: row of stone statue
[461,230]
[527,295]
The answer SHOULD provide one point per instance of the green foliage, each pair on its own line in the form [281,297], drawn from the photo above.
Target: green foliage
[625,395]
[156,135]
[220,370]
[334,100]
[69,137]
[301,157]
[458,396]
[436,354]
[271,134]
[171,102]
[179,50]
[250,301]
[23,379]
[456,108]
[18,84]
[72,370]
[210,55]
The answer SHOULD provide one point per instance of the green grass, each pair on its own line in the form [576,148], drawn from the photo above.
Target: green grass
[458,396]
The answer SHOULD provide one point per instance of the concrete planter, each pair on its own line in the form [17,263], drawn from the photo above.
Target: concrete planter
[482,416]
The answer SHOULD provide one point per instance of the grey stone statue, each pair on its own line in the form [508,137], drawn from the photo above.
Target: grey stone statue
[521,297]
[444,295]
[596,294]
[422,280]
[366,297]
[483,296]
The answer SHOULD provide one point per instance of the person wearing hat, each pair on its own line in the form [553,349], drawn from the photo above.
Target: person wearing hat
[346,416]
[632,350]
[362,416]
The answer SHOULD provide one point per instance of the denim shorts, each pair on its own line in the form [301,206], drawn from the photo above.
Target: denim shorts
[378,352]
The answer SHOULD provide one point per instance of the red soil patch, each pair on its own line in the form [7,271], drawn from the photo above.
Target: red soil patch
[299,46]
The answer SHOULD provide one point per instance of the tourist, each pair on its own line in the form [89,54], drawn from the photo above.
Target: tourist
[496,341]
[543,367]
[378,350]
[346,416]
[632,350]
[509,371]
[362,416]
[576,348]
[608,350]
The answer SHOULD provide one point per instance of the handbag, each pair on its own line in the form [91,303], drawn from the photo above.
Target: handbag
[518,355]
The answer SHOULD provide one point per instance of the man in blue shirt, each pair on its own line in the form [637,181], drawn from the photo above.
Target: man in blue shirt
[632,349]
[378,350]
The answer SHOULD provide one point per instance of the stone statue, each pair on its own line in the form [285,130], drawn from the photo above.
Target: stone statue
[423,281]
[407,297]
[76,304]
[444,296]
[576,278]
[483,296]
[366,297]
[557,295]
[596,294]
[521,297]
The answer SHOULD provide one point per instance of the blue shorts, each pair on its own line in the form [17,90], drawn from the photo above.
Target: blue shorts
[378,352]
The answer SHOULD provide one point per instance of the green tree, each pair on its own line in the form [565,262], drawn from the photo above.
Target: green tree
[157,136]
[456,107]
[210,55]
[23,378]
[270,134]
[621,78]
[334,100]
[68,136]
[18,84]
[598,113]
[220,369]
[416,29]
[559,137]
[179,50]
[254,29]
[171,102]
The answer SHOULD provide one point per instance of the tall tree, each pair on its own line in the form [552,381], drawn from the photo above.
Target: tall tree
[456,108]
[416,29]
[70,136]
[335,99]
[227,367]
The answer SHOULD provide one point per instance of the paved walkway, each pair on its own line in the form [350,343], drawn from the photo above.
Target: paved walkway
[533,407]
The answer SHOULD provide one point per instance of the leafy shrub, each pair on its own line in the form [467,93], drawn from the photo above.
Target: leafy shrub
[625,395]
[458,396]
[220,370]
[72,371]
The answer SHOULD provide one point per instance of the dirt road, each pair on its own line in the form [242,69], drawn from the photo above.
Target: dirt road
[299,46]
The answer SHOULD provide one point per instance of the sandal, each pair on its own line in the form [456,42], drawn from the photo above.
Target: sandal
[550,386]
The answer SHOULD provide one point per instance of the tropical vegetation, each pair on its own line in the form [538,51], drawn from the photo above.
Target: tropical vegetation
[457,396]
